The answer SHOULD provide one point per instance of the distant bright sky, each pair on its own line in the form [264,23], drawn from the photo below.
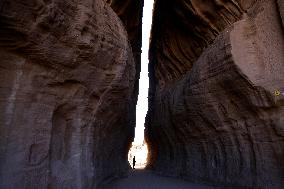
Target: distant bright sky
[142,104]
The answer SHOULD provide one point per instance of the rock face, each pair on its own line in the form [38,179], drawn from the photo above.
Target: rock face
[67,92]
[213,116]
[130,12]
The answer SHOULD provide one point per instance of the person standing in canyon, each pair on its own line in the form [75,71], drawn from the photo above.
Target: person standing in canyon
[133,163]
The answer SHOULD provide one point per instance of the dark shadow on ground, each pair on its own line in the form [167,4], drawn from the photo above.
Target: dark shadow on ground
[142,179]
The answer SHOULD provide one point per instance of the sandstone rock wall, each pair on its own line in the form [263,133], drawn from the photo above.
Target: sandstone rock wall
[67,94]
[130,13]
[213,115]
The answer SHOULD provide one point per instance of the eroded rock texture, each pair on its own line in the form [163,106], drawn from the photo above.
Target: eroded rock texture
[130,12]
[67,94]
[213,114]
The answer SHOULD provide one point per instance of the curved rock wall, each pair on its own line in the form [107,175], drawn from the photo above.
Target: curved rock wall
[67,94]
[130,13]
[213,116]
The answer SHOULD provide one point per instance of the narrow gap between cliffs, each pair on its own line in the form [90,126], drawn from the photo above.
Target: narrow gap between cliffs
[139,148]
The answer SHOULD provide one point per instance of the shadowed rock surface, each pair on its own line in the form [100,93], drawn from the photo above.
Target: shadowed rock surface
[67,94]
[213,116]
[130,13]
[69,82]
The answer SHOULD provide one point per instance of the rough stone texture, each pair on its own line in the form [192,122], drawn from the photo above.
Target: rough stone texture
[213,115]
[196,24]
[67,95]
[130,13]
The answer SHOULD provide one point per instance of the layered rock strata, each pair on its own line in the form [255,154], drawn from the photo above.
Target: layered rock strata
[213,115]
[67,94]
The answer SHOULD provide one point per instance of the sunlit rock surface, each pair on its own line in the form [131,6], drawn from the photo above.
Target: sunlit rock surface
[213,115]
[67,94]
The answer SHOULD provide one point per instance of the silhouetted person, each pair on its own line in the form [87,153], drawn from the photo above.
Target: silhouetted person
[134,162]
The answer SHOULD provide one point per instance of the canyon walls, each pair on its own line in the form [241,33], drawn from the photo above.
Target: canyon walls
[68,90]
[213,115]
[69,85]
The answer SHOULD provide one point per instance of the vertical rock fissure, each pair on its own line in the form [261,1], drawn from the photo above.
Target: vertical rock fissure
[139,148]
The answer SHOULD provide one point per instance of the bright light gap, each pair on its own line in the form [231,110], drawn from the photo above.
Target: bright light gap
[139,148]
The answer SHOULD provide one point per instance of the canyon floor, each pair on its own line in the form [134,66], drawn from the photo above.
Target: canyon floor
[140,179]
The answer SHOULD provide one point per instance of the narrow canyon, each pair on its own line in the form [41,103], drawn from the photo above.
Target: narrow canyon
[69,82]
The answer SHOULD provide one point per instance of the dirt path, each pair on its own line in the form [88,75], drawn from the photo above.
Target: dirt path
[147,180]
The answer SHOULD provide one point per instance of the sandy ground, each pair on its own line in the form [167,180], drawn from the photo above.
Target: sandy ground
[140,179]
